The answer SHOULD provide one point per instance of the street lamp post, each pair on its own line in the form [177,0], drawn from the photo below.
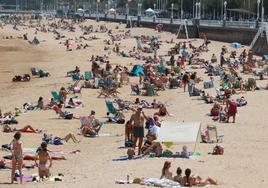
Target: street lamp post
[196,10]
[258,13]
[154,13]
[97,10]
[225,13]
[106,10]
[139,13]
[171,16]
[181,9]
[262,12]
[127,10]
[199,12]
[115,8]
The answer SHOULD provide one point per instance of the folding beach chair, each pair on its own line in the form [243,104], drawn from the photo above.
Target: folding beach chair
[110,107]
[150,90]
[213,134]
[88,75]
[56,96]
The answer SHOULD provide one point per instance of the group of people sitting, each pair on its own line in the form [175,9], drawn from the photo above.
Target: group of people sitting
[187,180]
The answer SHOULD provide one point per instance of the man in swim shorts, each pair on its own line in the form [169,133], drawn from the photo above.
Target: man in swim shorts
[137,122]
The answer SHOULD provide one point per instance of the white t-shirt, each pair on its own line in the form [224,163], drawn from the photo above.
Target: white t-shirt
[154,130]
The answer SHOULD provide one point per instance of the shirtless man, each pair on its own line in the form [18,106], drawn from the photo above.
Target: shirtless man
[17,156]
[137,122]
[44,157]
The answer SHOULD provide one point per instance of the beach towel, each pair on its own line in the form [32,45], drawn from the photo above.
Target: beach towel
[160,183]
[25,179]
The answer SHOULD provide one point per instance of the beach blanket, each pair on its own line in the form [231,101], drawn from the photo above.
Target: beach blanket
[160,183]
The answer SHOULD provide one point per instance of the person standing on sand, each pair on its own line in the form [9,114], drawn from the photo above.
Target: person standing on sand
[137,122]
[17,156]
[43,157]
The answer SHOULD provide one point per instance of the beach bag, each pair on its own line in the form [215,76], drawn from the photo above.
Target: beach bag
[128,143]
[57,141]
[218,150]
[68,116]
[120,121]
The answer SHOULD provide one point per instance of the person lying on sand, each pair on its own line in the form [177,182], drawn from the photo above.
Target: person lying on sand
[43,157]
[50,138]
[189,181]
[25,129]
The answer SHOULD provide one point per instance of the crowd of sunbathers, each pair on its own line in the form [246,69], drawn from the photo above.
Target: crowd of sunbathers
[155,74]
[186,180]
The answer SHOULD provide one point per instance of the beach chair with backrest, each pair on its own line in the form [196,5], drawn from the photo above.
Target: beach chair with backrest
[56,96]
[150,90]
[88,75]
[111,108]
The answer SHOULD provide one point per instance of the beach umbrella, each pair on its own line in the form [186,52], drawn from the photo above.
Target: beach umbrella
[235,45]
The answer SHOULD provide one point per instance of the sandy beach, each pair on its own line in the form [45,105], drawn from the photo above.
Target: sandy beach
[245,142]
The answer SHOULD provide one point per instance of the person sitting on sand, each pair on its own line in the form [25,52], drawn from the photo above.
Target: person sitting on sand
[63,93]
[178,177]
[189,181]
[43,157]
[162,111]
[165,171]
[25,129]
[40,104]
[17,156]
[216,109]
[152,147]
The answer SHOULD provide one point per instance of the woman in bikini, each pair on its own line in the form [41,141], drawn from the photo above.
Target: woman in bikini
[43,157]
[165,171]
[189,181]
[17,156]
[178,177]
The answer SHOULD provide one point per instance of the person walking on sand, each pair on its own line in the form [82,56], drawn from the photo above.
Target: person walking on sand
[17,156]
[44,157]
[137,122]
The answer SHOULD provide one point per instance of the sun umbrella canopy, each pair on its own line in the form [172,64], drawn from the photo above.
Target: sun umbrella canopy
[236,45]
[149,10]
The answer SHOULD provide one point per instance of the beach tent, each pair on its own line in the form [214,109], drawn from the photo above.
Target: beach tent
[149,10]
[80,10]
[265,58]
[236,45]
[112,10]
[179,132]
[137,70]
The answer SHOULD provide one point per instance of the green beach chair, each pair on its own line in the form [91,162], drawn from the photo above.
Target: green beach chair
[110,107]
[88,75]
[56,96]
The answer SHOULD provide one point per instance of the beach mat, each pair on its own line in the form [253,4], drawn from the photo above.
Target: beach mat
[25,179]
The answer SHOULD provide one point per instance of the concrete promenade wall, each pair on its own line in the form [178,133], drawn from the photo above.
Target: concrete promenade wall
[224,34]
